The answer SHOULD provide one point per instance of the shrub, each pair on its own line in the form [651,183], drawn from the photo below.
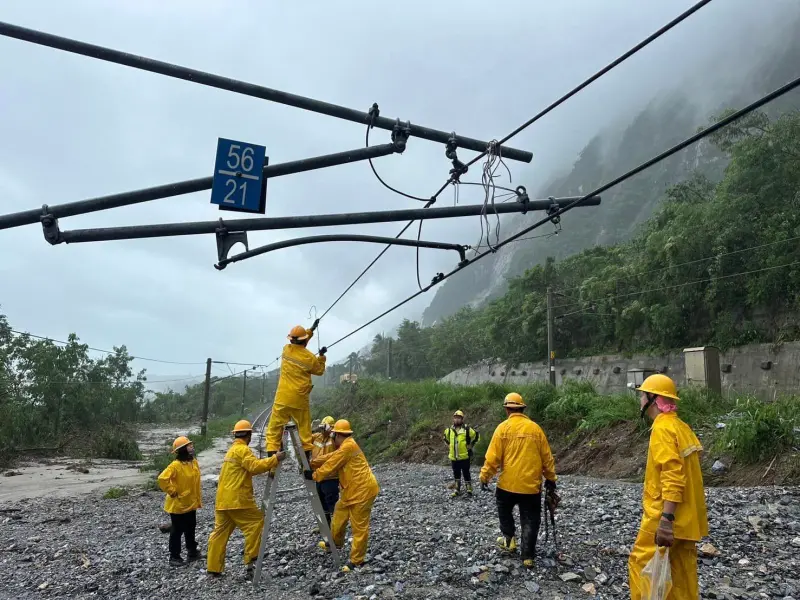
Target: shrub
[761,430]
[115,492]
[117,443]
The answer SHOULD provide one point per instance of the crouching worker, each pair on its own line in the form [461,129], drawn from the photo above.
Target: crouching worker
[519,449]
[673,498]
[298,364]
[235,504]
[181,482]
[359,489]
[327,489]
[460,439]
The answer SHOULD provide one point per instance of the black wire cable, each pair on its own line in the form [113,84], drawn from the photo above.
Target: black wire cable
[386,185]
[419,237]
[677,20]
[682,17]
[635,171]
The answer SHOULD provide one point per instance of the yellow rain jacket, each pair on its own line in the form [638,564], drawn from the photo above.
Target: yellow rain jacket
[520,450]
[356,480]
[181,482]
[298,364]
[322,447]
[673,474]
[235,486]
[460,440]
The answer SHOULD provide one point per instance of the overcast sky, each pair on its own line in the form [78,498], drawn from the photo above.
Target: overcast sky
[73,128]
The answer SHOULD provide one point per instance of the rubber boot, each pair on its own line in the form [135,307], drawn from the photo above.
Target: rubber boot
[507,544]
[176,561]
[457,491]
[469,488]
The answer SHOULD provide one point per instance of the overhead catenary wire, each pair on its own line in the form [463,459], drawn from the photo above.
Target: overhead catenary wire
[618,61]
[641,45]
[635,171]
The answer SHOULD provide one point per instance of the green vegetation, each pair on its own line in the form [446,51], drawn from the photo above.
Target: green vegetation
[398,419]
[717,263]
[55,397]
[115,492]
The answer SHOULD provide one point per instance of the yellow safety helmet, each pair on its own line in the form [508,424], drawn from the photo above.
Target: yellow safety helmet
[342,426]
[328,421]
[242,426]
[514,400]
[180,442]
[660,385]
[458,413]
[300,333]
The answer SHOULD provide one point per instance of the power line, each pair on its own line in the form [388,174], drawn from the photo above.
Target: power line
[677,20]
[535,118]
[156,360]
[683,264]
[635,171]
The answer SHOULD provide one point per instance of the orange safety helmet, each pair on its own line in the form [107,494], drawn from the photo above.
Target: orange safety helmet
[300,333]
[342,426]
[242,426]
[514,400]
[180,442]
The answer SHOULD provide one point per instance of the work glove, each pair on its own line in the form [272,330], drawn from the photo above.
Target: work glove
[485,487]
[308,475]
[323,351]
[280,455]
[550,486]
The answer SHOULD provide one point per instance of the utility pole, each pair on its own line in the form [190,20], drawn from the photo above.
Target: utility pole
[551,353]
[244,390]
[389,361]
[263,388]
[206,394]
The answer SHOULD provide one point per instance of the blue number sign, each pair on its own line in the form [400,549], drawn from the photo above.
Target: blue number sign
[239,183]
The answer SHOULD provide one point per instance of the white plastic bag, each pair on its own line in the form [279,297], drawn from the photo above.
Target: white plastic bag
[657,576]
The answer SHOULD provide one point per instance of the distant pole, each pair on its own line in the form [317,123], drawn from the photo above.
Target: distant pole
[551,353]
[244,390]
[263,388]
[389,361]
[206,394]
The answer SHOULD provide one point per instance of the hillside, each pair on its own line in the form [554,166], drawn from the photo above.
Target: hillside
[614,149]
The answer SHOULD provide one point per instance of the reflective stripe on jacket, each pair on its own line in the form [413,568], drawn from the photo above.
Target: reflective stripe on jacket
[181,482]
[460,440]
[356,480]
[673,473]
[519,449]
[235,485]
[322,447]
[298,364]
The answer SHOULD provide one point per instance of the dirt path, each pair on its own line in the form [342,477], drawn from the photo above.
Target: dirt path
[69,477]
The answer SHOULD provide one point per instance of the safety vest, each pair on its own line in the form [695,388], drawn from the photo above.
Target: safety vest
[460,441]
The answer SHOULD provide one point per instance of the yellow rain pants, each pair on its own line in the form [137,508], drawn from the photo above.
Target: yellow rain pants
[281,415]
[249,520]
[682,562]
[358,516]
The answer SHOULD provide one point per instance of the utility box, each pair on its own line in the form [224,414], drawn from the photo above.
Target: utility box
[702,368]
[637,376]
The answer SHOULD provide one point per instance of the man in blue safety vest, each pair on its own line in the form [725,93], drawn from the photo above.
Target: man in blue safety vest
[460,439]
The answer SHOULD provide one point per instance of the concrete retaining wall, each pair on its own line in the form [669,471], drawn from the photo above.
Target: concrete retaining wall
[766,370]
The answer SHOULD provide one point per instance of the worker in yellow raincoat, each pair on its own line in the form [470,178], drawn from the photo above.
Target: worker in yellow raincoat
[235,504]
[181,483]
[328,488]
[673,499]
[298,364]
[519,449]
[358,493]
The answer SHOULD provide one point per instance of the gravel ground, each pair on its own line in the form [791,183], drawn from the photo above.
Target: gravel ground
[422,545]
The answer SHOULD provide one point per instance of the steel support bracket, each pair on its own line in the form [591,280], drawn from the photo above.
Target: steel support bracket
[50,226]
[400,134]
[450,151]
[227,240]
[554,208]
[437,278]
[522,197]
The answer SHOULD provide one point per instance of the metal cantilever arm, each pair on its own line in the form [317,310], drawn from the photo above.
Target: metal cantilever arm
[242,87]
[316,239]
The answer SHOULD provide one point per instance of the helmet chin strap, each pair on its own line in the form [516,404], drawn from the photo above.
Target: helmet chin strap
[651,398]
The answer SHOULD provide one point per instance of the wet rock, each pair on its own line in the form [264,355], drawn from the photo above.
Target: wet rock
[589,589]
[569,576]
[532,587]
[718,467]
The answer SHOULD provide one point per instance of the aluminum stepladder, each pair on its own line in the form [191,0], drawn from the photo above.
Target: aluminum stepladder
[269,496]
